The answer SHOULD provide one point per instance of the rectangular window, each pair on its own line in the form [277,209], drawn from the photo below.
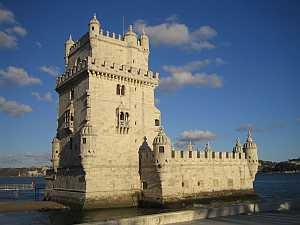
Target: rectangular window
[190,154]
[198,154]
[72,94]
[181,154]
[145,185]
[84,140]
[157,122]
[173,154]
[161,149]
[71,143]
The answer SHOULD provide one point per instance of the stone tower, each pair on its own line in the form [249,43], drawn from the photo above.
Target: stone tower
[250,150]
[106,108]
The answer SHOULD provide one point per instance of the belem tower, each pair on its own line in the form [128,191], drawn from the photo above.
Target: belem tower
[110,149]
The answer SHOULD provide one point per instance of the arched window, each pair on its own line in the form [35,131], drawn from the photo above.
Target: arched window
[123,90]
[121,116]
[127,116]
[118,89]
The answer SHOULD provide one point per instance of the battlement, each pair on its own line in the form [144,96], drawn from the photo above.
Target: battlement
[106,36]
[109,69]
[218,156]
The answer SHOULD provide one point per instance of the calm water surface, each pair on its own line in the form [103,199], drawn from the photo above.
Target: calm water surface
[268,186]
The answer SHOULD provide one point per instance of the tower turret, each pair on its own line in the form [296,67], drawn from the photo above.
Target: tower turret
[208,148]
[87,145]
[144,40]
[55,153]
[161,146]
[94,26]
[130,37]
[238,147]
[250,150]
[68,44]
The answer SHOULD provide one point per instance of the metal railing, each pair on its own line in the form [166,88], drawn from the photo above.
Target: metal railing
[16,187]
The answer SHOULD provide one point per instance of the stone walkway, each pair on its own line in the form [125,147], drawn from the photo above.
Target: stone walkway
[256,219]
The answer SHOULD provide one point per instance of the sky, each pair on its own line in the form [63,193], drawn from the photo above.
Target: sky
[225,66]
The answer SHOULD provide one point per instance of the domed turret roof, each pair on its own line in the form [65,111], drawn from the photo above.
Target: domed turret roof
[238,143]
[161,138]
[238,146]
[130,32]
[94,20]
[208,148]
[249,141]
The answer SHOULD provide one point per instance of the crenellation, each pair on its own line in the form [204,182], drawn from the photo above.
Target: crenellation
[149,78]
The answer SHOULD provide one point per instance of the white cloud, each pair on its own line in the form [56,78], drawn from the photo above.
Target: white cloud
[197,136]
[189,67]
[173,33]
[47,97]
[7,40]
[51,70]
[183,76]
[180,79]
[21,31]
[204,33]
[15,75]
[6,16]
[8,37]
[13,108]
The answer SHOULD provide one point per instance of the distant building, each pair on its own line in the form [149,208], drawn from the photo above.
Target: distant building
[33,173]
[110,149]
[295,161]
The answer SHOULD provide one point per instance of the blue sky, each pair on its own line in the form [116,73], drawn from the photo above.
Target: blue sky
[225,66]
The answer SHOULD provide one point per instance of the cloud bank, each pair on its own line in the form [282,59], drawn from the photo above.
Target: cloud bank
[181,76]
[173,33]
[47,97]
[17,76]
[197,136]
[9,36]
[51,70]
[13,108]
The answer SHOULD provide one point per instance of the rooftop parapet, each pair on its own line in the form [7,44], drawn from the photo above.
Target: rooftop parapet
[202,155]
[105,36]
[106,68]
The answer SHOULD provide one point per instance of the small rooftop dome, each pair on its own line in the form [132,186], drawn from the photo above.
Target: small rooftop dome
[161,138]
[94,20]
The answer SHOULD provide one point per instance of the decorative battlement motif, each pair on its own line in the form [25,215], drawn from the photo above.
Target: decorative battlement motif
[179,155]
[109,69]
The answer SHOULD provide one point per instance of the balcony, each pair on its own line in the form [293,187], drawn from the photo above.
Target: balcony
[124,123]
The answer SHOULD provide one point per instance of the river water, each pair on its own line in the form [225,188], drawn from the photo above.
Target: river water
[270,187]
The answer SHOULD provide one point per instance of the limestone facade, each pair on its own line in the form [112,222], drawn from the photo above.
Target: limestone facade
[107,117]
